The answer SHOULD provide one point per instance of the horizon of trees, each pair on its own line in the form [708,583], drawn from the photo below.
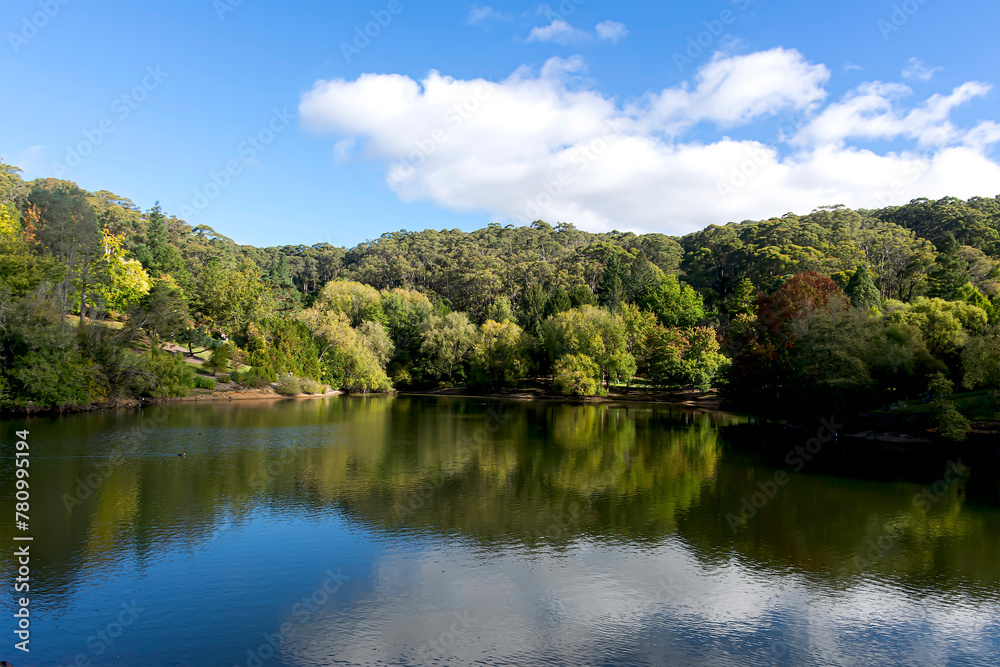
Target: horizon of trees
[842,307]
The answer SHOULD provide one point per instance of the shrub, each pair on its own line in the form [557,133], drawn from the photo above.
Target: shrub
[225,377]
[289,385]
[310,386]
[173,376]
[256,377]
[202,382]
[234,376]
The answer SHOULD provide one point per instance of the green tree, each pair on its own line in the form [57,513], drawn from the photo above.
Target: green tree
[500,353]
[861,289]
[576,375]
[949,273]
[675,304]
[447,344]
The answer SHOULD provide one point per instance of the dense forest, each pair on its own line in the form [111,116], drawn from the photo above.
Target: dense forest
[837,310]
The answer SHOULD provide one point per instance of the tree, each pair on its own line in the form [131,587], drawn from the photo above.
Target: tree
[219,359]
[595,333]
[575,375]
[949,273]
[861,289]
[500,353]
[447,343]
[675,304]
[126,282]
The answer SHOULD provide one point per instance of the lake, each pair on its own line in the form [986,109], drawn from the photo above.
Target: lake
[452,531]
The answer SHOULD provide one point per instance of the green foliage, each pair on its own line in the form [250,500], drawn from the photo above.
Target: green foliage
[861,290]
[577,375]
[981,359]
[951,424]
[945,325]
[310,386]
[284,346]
[675,304]
[202,382]
[40,362]
[683,357]
[225,378]
[447,346]
[219,359]
[289,385]
[255,378]
[500,353]
[172,376]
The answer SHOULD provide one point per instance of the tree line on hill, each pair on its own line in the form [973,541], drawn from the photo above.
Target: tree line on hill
[838,309]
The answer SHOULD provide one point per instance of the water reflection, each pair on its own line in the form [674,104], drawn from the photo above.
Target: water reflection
[468,529]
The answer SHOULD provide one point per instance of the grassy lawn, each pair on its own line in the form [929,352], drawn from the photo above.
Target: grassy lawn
[976,405]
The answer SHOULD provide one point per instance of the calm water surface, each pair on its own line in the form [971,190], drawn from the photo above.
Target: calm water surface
[407,531]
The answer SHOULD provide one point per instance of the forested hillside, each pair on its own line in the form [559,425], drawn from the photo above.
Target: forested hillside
[851,308]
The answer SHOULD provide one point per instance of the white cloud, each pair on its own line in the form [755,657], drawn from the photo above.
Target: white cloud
[559,31]
[870,112]
[542,144]
[613,31]
[478,15]
[915,69]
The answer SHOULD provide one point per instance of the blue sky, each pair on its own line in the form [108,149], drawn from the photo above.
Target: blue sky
[650,116]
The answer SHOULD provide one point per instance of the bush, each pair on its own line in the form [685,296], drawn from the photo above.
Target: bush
[289,385]
[173,376]
[310,386]
[225,377]
[256,377]
[202,382]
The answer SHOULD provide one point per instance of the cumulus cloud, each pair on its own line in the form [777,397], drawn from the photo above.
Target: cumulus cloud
[915,69]
[559,31]
[543,143]
[612,31]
